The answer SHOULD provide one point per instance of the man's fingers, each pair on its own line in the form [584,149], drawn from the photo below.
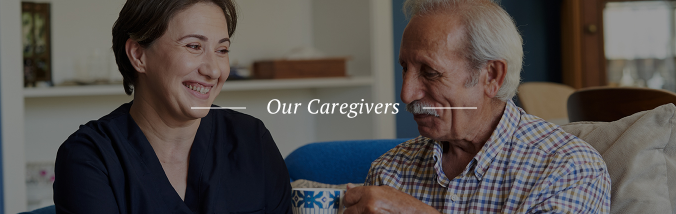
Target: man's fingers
[350,186]
[353,195]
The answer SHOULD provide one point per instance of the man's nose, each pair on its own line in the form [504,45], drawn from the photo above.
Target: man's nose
[412,88]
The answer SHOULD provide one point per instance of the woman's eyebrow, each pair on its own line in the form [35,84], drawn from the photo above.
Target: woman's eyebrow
[200,37]
[203,38]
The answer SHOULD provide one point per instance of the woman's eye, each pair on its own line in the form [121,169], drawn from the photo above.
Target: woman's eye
[196,47]
[223,51]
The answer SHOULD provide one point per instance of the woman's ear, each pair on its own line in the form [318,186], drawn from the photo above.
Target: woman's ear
[136,54]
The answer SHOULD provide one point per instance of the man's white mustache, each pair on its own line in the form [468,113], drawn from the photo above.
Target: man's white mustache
[417,107]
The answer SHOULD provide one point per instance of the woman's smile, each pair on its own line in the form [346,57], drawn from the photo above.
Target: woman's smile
[199,90]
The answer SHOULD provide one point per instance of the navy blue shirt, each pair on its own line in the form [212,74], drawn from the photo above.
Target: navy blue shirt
[108,166]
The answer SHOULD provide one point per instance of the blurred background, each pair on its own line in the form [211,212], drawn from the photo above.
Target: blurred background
[57,70]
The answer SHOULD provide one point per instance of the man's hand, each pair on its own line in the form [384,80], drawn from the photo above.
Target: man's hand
[382,199]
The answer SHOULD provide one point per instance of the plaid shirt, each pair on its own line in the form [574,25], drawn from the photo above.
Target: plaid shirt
[527,166]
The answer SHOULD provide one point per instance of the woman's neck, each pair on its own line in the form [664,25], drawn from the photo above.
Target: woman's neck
[171,138]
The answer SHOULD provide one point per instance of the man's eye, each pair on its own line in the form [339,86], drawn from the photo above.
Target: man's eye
[404,69]
[196,47]
[224,51]
[431,75]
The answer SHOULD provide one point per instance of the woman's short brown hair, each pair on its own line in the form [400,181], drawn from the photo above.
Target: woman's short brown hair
[146,20]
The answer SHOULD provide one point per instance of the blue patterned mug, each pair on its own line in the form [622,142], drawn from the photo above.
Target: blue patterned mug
[317,200]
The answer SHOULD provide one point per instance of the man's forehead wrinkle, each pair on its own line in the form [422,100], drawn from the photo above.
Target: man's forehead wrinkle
[427,54]
[425,44]
[421,49]
[426,39]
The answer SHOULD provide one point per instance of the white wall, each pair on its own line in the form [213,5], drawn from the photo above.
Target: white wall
[382,64]
[342,28]
[79,28]
[270,29]
[13,164]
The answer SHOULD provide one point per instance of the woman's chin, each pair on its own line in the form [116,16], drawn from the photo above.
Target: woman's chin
[196,109]
[198,113]
[191,114]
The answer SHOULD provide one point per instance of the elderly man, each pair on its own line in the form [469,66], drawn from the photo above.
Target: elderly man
[492,159]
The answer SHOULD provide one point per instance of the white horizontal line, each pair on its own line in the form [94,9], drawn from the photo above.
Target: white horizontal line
[449,108]
[217,107]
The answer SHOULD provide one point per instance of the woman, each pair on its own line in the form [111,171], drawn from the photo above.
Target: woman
[157,154]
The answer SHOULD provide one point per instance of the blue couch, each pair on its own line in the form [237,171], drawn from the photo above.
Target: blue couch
[337,162]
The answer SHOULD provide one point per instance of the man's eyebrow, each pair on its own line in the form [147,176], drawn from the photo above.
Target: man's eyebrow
[224,40]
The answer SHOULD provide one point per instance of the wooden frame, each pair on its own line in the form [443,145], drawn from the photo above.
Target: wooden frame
[583,54]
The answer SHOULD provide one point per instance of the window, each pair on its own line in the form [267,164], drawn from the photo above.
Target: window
[639,44]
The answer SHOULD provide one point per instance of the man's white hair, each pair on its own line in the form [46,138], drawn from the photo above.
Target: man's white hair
[491,34]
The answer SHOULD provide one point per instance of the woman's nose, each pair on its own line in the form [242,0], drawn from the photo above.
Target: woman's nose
[210,66]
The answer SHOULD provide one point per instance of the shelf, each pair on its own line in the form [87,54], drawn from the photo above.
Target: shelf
[239,85]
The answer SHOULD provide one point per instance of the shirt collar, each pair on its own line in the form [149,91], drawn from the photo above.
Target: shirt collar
[441,176]
[501,135]
[480,163]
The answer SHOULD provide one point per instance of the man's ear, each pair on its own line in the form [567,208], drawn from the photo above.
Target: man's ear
[496,70]
[136,54]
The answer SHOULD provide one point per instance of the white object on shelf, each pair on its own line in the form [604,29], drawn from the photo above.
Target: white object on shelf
[239,85]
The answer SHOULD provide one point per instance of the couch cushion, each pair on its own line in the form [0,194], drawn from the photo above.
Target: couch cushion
[640,152]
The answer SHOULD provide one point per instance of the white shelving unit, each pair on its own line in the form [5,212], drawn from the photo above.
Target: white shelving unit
[36,120]
[231,85]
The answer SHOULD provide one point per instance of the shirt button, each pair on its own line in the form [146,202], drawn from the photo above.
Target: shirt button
[454,198]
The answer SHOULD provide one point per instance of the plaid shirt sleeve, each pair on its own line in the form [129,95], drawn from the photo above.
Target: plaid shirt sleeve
[371,179]
[383,166]
[583,188]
